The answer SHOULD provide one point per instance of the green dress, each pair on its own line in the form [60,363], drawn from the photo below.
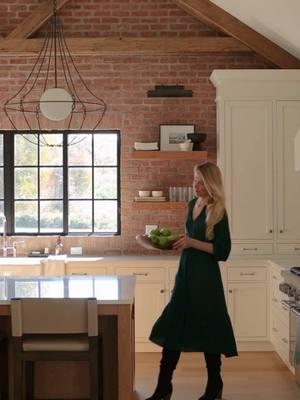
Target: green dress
[196,318]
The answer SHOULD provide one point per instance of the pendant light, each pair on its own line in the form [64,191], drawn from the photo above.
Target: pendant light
[54,96]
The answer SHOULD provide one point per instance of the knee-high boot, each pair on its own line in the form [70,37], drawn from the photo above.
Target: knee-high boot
[214,385]
[168,364]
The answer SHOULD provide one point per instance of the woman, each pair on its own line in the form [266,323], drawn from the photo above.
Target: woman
[196,318]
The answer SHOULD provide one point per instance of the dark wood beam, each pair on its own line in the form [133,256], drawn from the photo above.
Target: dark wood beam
[216,17]
[35,20]
[128,46]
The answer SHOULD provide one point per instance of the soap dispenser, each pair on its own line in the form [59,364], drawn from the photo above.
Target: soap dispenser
[59,246]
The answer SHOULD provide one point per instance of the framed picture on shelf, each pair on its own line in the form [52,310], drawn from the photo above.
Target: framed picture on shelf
[172,135]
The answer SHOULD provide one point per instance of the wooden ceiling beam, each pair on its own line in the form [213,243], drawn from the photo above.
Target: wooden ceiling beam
[216,17]
[127,46]
[35,20]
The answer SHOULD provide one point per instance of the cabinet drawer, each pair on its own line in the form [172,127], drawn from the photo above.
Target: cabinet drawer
[252,249]
[280,334]
[143,274]
[247,274]
[281,314]
[288,248]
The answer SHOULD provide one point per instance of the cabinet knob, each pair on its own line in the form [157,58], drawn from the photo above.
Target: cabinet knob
[271,231]
[230,291]
[281,231]
[162,291]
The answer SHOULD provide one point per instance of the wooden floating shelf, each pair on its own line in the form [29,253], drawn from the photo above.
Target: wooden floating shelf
[159,205]
[169,155]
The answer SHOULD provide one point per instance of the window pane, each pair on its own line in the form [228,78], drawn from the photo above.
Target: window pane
[80,216]
[51,183]
[26,183]
[106,216]
[26,216]
[1,183]
[1,149]
[26,289]
[79,287]
[80,183]
[52,155]
[26,153]
[80,153]
[51,214]
[52,289]
[105,183]
[1,215]
[105,149]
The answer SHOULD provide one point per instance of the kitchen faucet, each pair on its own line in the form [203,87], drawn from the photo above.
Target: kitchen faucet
[5,246]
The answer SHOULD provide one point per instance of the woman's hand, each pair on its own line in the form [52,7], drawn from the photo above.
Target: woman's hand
[183,243]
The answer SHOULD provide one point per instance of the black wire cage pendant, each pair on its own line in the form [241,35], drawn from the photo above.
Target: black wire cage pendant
[54,96]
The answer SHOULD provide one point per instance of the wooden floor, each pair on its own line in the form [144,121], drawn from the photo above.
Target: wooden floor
[251,376]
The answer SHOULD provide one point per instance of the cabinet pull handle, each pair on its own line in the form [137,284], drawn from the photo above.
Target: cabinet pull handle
[250,248]
[141,273]
[230,291]
[296,248]
[281,231]
[162,290]
[274,330]
[274,277]
[284,340]
[247,273]
[271,231]
[274,300]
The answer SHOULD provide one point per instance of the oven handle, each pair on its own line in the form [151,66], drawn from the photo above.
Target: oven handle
[295,311]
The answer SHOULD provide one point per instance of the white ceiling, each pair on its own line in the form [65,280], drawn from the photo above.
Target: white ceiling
[278,20]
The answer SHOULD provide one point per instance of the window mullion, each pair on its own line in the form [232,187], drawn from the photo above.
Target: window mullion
[9,181]
[65,184]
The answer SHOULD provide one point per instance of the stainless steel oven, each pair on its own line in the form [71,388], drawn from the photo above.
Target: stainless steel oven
[295,341]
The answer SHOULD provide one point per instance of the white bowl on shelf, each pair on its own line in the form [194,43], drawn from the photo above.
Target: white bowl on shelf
[157,193]
[144,193]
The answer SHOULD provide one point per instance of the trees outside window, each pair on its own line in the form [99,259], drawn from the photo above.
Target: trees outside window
[69,189]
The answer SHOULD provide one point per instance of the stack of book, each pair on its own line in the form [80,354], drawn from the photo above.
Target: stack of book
[146,146]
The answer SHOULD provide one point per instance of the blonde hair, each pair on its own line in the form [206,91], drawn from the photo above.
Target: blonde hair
[212,180]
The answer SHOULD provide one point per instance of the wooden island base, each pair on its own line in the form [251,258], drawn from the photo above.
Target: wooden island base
[69,380]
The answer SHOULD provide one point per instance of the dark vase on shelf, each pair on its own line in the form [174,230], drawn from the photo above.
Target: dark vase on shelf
[197,138]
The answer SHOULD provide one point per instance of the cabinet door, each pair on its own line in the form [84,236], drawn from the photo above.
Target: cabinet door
[288,180]
[149,303]
[247,168]
[248,309]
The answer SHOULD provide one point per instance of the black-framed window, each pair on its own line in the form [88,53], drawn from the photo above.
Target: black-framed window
[70,189]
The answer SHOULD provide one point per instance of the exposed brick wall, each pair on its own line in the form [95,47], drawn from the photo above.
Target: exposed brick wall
[123,83]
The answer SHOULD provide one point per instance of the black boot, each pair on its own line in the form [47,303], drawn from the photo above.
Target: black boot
[214,385]
[168,364]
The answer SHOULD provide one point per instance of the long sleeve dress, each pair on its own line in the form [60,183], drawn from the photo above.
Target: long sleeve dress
[196,318]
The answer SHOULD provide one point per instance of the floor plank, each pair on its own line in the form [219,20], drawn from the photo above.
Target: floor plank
[251,376]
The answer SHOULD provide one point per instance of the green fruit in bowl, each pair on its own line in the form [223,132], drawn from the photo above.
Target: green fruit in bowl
[165,232]
[173,238]
[163,242]
[154,239]
[155,232]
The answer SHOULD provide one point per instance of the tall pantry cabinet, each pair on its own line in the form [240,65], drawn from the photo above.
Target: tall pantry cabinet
[258,117]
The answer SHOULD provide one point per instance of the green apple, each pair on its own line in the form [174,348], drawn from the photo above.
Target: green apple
[173,237]
[155,232]
[165,232]
[154,239]
[163,242]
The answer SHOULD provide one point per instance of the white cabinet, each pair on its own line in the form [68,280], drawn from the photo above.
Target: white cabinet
[288,187]
[150,299]
[247,301]
[258,117]
[248,166]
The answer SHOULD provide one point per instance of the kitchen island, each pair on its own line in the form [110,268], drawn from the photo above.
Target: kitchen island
[115,295]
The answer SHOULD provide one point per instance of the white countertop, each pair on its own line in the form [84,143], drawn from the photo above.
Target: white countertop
[107,289]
